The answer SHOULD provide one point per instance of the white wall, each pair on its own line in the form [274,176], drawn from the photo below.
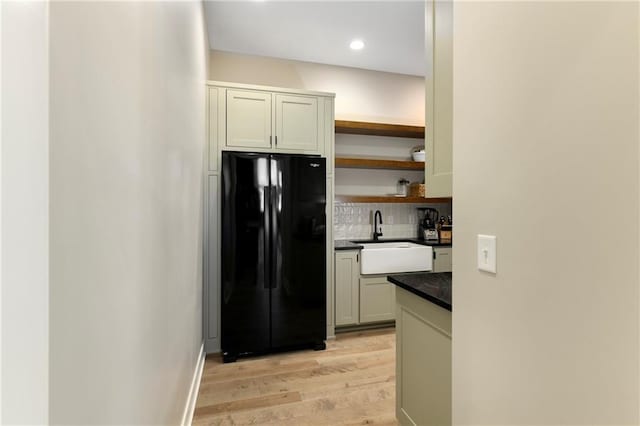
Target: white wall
[546,133]
[361,95]
[127,141]
[24,221]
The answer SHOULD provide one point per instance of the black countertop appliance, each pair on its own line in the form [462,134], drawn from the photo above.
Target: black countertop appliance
[427,221]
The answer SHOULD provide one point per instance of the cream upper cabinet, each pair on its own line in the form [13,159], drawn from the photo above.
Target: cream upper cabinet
[296,123]
[439,98]
[248,119]
[253,119]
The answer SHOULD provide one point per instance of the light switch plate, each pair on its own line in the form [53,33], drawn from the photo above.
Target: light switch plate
[487,253]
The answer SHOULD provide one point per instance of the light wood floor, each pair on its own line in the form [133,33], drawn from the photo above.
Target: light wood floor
[352,382]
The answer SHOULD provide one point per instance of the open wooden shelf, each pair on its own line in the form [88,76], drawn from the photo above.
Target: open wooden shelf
[371,163]
[379,129]
[388,199]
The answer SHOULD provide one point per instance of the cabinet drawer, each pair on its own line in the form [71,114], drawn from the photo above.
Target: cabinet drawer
[377,300]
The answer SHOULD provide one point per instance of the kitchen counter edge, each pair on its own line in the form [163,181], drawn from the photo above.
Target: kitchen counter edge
[418,283]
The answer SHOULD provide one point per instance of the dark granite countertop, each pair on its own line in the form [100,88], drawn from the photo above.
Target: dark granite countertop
[356,244]
[346,245]
[434,287]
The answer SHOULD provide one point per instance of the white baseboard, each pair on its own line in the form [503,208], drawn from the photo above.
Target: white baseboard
[190,407]
[331,332]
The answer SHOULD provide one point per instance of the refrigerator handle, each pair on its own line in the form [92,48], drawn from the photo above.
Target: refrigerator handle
[276,192]
[266,201]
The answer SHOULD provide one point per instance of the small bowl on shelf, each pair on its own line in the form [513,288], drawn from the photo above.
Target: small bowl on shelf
[418,156]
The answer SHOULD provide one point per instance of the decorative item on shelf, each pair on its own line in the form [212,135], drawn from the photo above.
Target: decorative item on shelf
[418,154]
[402,187]
[446,234]
[417,190]
[445,228]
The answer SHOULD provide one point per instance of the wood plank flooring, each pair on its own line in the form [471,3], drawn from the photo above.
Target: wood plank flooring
[352,382]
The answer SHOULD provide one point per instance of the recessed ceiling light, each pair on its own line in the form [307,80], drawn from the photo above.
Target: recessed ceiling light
[356,44]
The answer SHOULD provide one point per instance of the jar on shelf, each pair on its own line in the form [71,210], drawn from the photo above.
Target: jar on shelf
[403,186]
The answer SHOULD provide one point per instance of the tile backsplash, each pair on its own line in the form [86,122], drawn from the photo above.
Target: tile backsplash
[355,220]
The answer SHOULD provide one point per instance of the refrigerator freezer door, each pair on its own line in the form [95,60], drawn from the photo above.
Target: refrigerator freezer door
[245,254]
[298,229]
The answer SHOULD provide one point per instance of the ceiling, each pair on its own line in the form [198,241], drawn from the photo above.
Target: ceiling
[320,31]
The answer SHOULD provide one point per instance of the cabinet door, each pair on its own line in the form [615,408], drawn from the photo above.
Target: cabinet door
[377,300]
[330,262]
[248,119]
[213,128]
[439,98]
[211,304]
[442,259]
[347,273]
[296,123]
[329,134]
[423,362]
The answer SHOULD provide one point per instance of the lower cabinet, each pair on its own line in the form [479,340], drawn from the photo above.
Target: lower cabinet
[377,299]
[442,259]
[360,299]
[347,270]
[367,299]
[423,361]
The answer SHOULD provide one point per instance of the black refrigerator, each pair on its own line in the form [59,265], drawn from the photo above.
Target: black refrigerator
[273,253]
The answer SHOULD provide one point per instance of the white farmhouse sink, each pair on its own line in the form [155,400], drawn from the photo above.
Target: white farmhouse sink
[391,258]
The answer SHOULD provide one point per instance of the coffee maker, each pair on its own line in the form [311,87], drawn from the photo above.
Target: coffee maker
[427,223]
